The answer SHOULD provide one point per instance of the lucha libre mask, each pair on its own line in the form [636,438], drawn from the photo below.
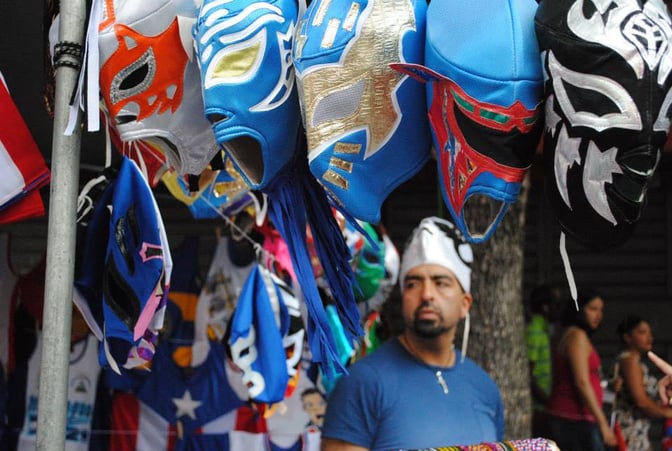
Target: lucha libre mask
[366,123]
[244,48]
[368,258]
[130,273]
[245,53]
[220,193]
[484,91]
[150,82]
[257,326]
[608,97]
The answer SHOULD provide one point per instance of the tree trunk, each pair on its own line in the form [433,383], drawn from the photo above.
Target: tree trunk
[497,340]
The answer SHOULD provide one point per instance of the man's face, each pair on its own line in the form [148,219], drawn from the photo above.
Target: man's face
[433,300]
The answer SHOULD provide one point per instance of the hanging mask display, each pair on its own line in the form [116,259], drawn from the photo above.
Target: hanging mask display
[150,81]
[244,49]
[366,124]
[608,97]
[123,284]
[260,320]
[245,53]
[484,91]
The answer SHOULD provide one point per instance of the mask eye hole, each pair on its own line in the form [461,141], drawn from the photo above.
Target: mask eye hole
[127,236]
[339,104]
[236,64]
[578,95]
[590,100]
[370,256]
[135,78]
[121,238]
[119,296]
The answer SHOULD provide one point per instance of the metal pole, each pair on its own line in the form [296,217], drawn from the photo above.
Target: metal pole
[61,235]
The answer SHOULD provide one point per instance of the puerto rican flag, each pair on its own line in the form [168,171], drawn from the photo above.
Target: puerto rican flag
[22,166]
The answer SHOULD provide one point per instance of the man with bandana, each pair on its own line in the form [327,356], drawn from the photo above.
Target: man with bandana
[416,390]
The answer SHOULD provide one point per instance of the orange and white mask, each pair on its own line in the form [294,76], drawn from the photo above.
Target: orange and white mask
[149,81]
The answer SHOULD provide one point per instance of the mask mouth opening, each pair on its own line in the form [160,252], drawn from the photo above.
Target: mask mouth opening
[246,152]
[481,215]
[169,149]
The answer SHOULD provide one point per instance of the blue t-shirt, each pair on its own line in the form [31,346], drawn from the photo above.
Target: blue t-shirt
[390,400]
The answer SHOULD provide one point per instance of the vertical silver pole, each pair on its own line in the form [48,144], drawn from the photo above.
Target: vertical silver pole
[61,234]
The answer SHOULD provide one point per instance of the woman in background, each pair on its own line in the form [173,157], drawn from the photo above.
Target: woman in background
[635,405]
[576,418]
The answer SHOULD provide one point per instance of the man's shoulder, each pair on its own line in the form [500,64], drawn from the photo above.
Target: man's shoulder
[387,355]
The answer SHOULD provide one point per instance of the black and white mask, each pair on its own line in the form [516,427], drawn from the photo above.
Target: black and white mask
[607,65]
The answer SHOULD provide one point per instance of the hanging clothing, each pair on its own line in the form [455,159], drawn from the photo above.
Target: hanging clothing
[82,387]
[634,423]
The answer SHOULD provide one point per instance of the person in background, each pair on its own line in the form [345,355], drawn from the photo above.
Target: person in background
[416,390]
[665,393]
[314,404]
[576,418]
[543,308]
[635,404]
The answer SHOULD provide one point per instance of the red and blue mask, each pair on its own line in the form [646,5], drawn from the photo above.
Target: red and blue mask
[484,90]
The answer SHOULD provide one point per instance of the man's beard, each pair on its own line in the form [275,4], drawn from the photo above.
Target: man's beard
[428,329]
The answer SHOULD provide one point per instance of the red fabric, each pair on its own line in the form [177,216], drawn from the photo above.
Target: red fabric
[124,422]
[621,445]
[29,206]
[19,142]
[667,435]
[21,199]
[250,419]
[565,401]
[30,290]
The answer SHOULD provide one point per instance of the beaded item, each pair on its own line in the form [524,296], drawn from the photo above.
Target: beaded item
[529,444]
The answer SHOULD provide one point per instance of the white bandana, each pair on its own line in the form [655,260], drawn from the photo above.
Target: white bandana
[436,241]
